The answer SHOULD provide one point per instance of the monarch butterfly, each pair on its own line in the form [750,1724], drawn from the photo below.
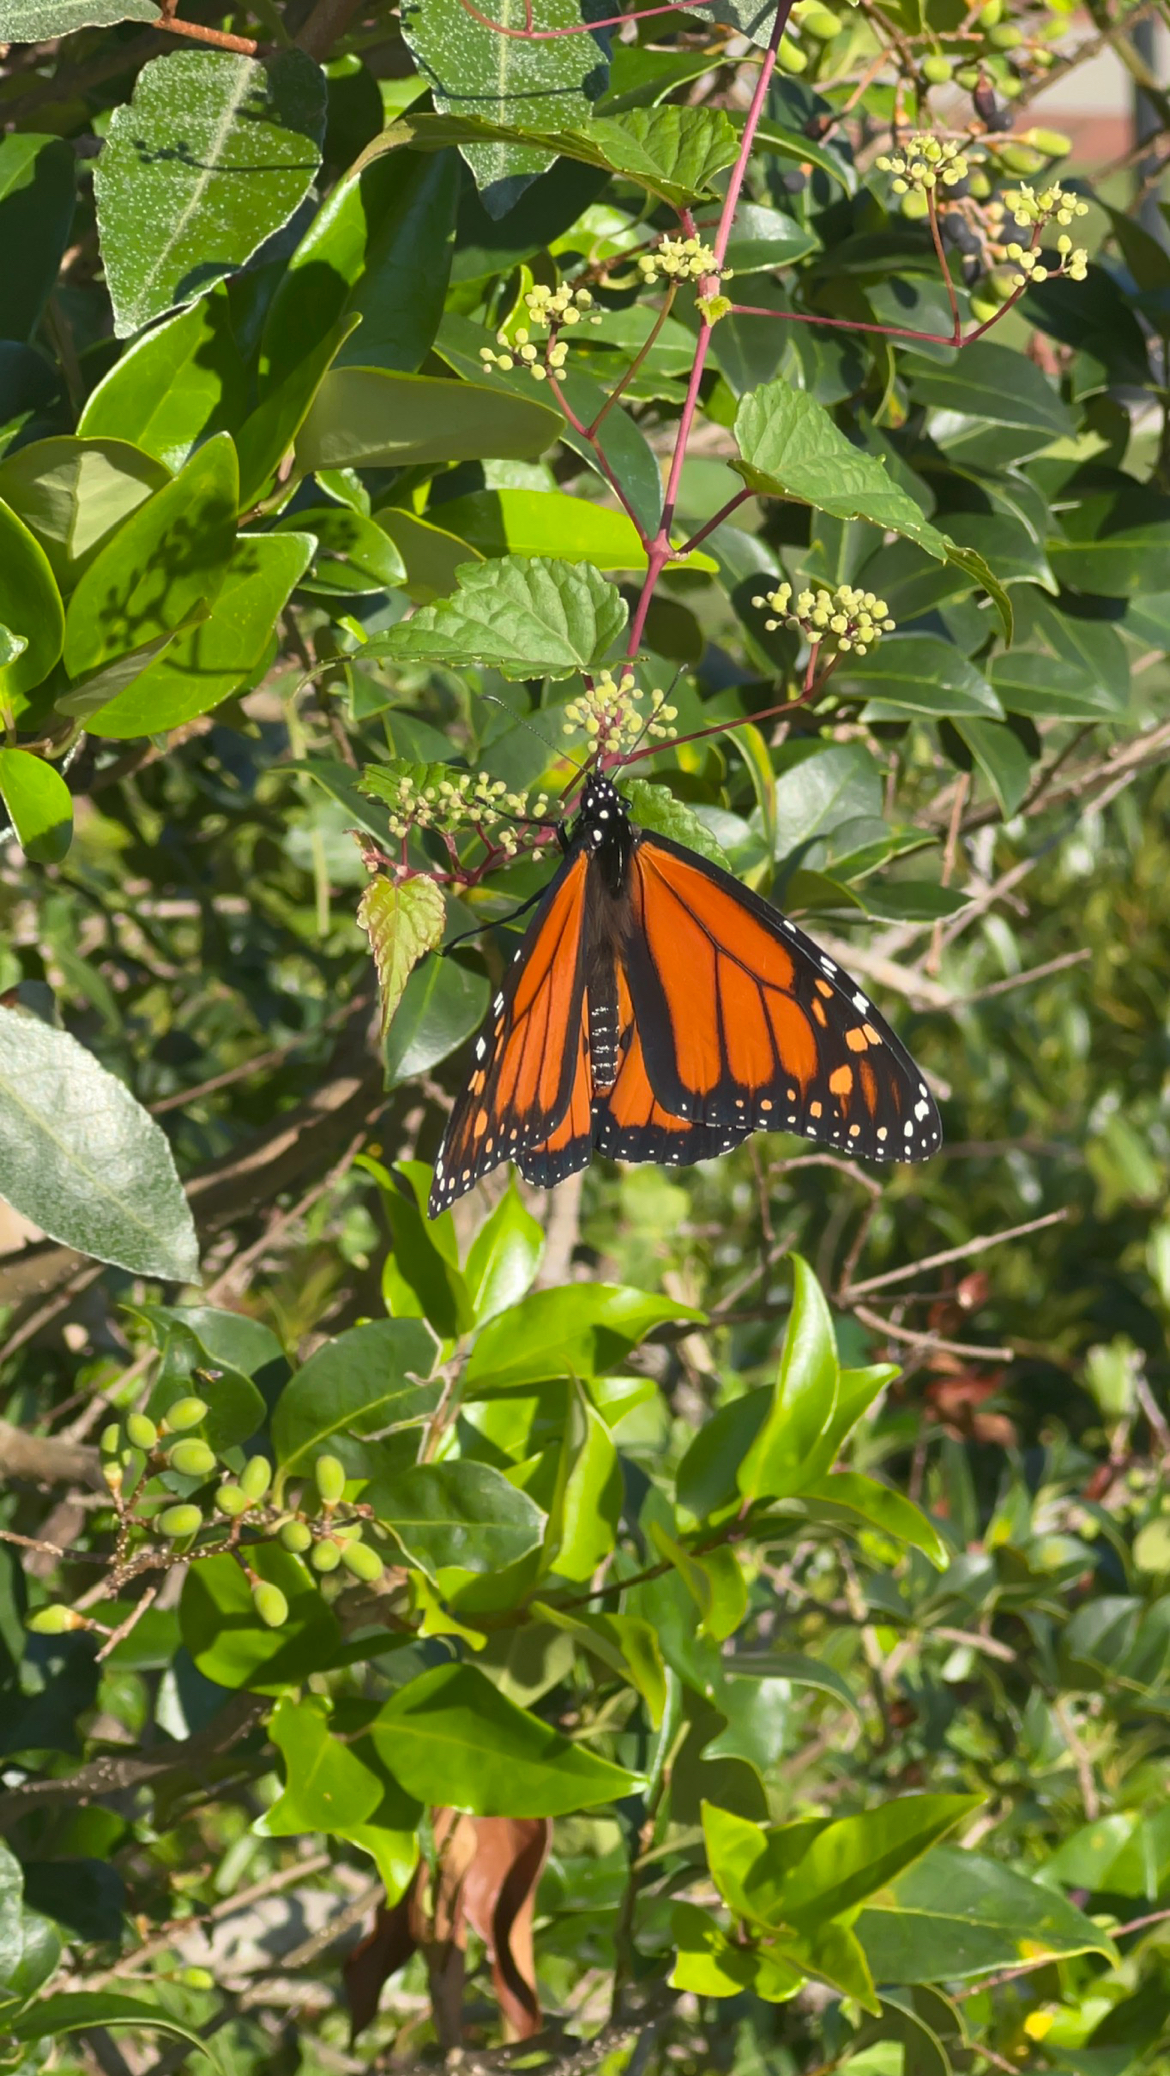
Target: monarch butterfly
[659,1011]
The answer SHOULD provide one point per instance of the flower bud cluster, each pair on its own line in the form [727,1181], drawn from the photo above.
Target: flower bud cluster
[928,162]
[548,310]
[1032,211]
[680,259]
[433,796]
[852,620]
[610,712]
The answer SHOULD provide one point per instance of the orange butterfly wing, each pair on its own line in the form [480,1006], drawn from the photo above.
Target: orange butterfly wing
[630,1123]
[527,1060]
[745,1024]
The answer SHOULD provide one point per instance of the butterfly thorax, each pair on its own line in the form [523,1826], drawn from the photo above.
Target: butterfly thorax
[603,828]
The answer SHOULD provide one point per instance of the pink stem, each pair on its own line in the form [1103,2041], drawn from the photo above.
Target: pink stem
[659,551]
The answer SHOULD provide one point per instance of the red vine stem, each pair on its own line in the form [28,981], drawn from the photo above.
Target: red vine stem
[660,550]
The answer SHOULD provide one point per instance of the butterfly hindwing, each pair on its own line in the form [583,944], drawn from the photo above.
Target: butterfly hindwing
[747,1025]
[569,1145]
[527,1057]
[630,1123]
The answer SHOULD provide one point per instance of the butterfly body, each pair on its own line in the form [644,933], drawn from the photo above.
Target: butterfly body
[657,1010]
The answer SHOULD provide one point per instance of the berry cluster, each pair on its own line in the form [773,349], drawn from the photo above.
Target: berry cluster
[432,796]
[852,620]
[610,713]
[548,310]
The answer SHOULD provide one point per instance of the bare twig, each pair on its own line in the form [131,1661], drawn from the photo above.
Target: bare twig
[979,1245]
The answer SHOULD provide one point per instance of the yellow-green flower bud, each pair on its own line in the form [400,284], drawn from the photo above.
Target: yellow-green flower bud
[256,1477]
[232,1501]
[326,1556]
[270,1604]
[180,1521]
[141,1430]
[55,1621]
[185,1413]
[329,1472]
[296,1536]
[363,1562]
[191,1457]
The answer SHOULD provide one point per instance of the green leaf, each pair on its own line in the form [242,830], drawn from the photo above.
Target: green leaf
[267,434]
[880,1507]
[544,522]
[75,2011]
[38,178]
[370,1379]
[804,1399]
[373,418]
[327,1787]
[39,803]
[906,675]
[228,1641]
[655,807]
[586,1507]
[674,153]
[420,1276]
[11,1932]
[580,1331]
[432,556]
[790,447]
[527,618]
[763,238]
[1115,542]
[985,388]
[711,1964]
[1001,758]
[227,1349]
[451,1737]
[1050,688]
[457,1516]
[72,493]
[798,146]
[30,606]
[174,387]
[403,920]
[798,1670]
[378,249]
[503,1258]
[958,1914]
[627,1644]
[471,69]
[851,1859]
[211,659]
[83,1160]
[442,1005]
[37,21]
[173,220]
[165,562]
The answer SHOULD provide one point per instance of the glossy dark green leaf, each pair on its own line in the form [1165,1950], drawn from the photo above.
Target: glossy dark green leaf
[582,1330]
[763,238]
[1001,757]
[378,249]
[1047,688]
[790,447]
[431,556]
[370,1379]
[959,1914]
[327,1786]
[354,557]
[1114,541]
[915,674]
[211,659]
[372,417]
[269,432]
[173,387]
[210,157]
[30,607]
[845,1494]
[442,1004]
[458,1516]
[991,404]
[544,522]
[451,1737]
[39,805]
[503,1258]
[76,2011]
[83,1160]
[38,178]
[804,1399]
[228,1641]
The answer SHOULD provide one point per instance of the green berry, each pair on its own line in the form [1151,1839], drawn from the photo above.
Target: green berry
[231,1500]
[915,206]
[1006,37]
[819,24]
[186,1412]
[296,1536]
[180,1521]
[329,1472]
[141,1430]
[1053,143]
[1021,158]
[256,1476]
[192,1458]
[363,1562]
[967,77]
[990,14]
[979,185]
[110,1439]
[326,1556]
[270,1604]
[791,57]
[937,70]
[55,1621]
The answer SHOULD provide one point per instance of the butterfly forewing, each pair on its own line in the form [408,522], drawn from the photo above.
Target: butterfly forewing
[527,1057]
[747,1025]
[630,1123]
